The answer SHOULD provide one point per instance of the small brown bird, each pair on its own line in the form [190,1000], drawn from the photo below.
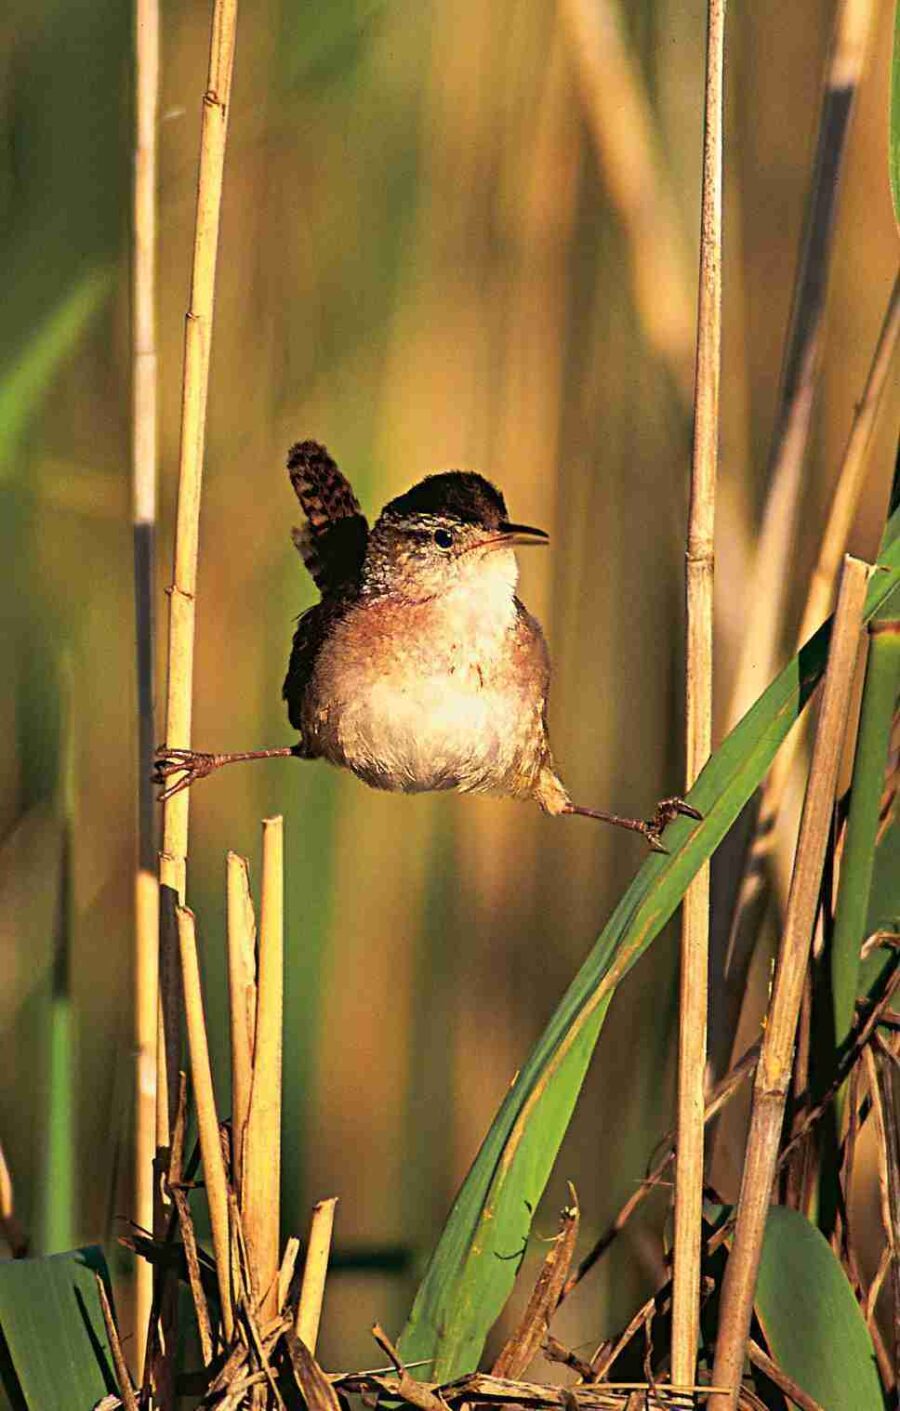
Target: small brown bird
[419,669]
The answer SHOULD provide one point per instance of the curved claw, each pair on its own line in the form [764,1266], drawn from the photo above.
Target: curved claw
[667,810]
[190,764]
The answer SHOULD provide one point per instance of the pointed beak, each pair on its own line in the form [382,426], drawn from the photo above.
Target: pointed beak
[522,534]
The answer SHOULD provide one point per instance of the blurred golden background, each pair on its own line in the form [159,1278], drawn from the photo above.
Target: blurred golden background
[435,253]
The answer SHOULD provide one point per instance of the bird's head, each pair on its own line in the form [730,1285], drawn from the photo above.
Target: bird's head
[449,531]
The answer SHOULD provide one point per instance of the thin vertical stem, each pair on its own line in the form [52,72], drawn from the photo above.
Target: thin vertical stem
[207,1119]
[195,383]
[262,1140]
[700,561]
[773,1071]
[143,468]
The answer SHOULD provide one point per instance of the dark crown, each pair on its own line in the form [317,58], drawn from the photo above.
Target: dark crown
[454,494]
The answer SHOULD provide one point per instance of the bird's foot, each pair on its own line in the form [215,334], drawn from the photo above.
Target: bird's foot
[650,828]
[667,810]
[190,765]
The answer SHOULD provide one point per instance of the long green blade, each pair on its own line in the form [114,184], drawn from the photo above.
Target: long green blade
[812,1322]
[473,1266]
[54,1352]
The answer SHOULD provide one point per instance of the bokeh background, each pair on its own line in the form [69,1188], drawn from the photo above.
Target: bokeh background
[423,263]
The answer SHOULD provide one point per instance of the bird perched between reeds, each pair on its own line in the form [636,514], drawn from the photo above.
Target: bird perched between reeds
[420,669]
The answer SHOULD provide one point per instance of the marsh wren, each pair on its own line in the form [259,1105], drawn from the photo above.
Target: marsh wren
[419,669]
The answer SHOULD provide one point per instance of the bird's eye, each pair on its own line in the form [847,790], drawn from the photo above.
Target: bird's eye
[443,538]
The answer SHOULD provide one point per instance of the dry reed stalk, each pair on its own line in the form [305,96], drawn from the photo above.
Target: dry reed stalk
[195,382]
[699,568]
[126,1390]
[260,1204]
[623,128]
[774,1068]
[312,1291]
[241,1003]
[207,1119]
[143,467]
[802,361]
[197,341]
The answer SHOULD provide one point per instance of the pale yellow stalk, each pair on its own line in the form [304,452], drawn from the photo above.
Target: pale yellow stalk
[214,1177]
[143,467]
[241,1004]
[260,1207]
[700,559]
[195,382]
[312,1291]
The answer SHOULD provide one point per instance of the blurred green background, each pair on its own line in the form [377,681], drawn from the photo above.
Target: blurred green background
[421,265]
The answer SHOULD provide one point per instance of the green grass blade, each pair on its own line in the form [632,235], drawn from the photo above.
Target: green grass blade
[811,1320]
[858,865]
[894,135]
[54,1353]
[24,382]
[472,1269]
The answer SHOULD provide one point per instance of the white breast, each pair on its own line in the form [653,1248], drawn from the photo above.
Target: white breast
[442,711]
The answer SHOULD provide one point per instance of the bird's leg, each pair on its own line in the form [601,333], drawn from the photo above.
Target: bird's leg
[650,828]
[195,764]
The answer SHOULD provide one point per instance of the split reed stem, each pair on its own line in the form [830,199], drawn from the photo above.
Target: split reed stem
[773,1071]
[700,562]
[241,1004]
[207,1118]
[260,1209]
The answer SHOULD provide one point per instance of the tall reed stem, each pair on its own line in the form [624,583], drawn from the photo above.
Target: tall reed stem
[195,383]
[773,1071]
[700,559]
[143,472]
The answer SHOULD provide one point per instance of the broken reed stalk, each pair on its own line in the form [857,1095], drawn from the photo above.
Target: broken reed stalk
[802,360]
[774,1068]
[214,1177]
[143,471]
[241,1004]
[195,382]
[260,1204]
[315,1269]
[699,568]
[623,127]
[844,504]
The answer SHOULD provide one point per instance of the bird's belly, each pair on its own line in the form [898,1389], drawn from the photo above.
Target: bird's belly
[436,732]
